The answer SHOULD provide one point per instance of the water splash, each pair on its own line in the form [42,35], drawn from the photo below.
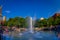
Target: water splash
[29,24]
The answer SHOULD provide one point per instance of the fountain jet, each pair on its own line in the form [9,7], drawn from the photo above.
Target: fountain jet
[29,24]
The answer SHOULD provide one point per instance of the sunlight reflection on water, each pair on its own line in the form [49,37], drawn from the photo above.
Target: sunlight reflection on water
[35,36]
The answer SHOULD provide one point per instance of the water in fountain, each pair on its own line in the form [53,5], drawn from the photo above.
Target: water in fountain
[29,24]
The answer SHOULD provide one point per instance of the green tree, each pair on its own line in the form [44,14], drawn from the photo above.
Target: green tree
[16,21]
[57,20]
[51,21]
[41,23]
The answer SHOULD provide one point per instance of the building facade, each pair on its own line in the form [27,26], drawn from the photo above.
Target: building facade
[0,11]
[2,18]
[56,15]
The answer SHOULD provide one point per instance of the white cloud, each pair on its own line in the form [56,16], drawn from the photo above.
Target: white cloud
[7,11]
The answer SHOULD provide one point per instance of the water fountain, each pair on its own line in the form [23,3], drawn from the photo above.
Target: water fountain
[29,24]
[30,34]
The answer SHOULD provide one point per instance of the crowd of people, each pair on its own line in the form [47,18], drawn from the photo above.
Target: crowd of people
[6,29]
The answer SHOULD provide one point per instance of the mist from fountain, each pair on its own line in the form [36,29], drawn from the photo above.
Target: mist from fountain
[30,24]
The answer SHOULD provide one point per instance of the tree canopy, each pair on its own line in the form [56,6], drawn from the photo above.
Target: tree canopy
[38,23]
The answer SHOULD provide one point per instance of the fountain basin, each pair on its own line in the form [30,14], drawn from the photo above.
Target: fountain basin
[33,36]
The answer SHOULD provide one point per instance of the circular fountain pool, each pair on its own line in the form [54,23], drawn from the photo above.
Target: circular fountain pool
[32,36]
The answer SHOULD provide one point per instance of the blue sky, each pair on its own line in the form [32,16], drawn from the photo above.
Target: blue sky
[23,8]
